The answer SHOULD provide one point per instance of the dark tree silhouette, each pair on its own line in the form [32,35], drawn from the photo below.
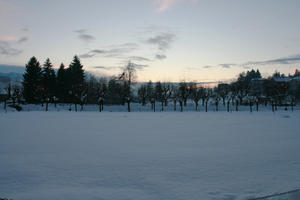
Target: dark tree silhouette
[48,82]
[62,84]
[127,77]
[196,93]
[142,94]
[76,76]
[32,81]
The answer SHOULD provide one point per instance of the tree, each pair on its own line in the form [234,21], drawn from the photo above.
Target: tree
[127,77]
[174,96]
[142,93]
[114,89]
[159,94]
[297,73]
[150,94]
[196,93]
[167,91]
[183,92]
[62,84]
[32,81]
[48,81]
[76,76]
[223,91]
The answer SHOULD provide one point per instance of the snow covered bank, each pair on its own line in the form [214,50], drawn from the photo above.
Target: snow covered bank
[143,156]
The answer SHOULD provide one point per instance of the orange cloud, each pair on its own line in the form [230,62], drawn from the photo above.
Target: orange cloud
[7,37]
[163,5]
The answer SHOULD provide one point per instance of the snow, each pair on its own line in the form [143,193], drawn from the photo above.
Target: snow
[144,155]
[136,107]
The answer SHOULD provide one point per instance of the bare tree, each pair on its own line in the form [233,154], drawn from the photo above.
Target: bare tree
[167,91]
[195,94]
[127,77]
[183,92]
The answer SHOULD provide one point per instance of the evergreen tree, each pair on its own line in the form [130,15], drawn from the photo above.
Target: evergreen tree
[48,80]
[62,86]
[32,81]
[75,76]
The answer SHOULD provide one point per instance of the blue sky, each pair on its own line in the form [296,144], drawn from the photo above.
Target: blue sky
[168,40]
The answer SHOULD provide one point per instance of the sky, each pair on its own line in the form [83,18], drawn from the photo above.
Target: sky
[167,40]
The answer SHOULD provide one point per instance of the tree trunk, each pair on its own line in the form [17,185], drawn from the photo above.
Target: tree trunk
[47,106]
[257,106]
[250,104]
[175,105]
[196,103]
[206,106]
[228,103]
[185,100]
[128,106]
[162,106]
[180,103]
[237,106]
[5,105]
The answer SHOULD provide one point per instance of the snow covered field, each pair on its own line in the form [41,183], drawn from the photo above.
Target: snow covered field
[148,156]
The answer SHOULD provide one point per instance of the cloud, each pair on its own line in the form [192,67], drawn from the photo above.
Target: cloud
[283,61]
[139,58]
[160,56]
[163,5]
[22,39]
[6,49]
[163,41]
[7,38]
[113,68]
[82,35]
[25,29]
[207,66]
[139,66]
[111,51]
[106,68]
[227,66]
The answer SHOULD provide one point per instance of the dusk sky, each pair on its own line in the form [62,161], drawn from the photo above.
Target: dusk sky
[168,40]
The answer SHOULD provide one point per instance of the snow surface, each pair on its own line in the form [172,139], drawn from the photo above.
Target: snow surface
[148,156]
[136,107]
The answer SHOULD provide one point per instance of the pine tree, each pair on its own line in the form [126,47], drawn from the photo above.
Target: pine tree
[48,80]
[75,76]
[32,81]
[62,86]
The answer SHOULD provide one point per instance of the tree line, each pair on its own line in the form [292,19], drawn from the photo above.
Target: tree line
[42,84]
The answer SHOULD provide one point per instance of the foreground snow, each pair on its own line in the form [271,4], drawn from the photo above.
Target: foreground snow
[143,156]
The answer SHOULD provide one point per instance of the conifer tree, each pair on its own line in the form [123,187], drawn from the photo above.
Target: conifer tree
[75,76]
[62,86]
[32,81]
[48,80]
